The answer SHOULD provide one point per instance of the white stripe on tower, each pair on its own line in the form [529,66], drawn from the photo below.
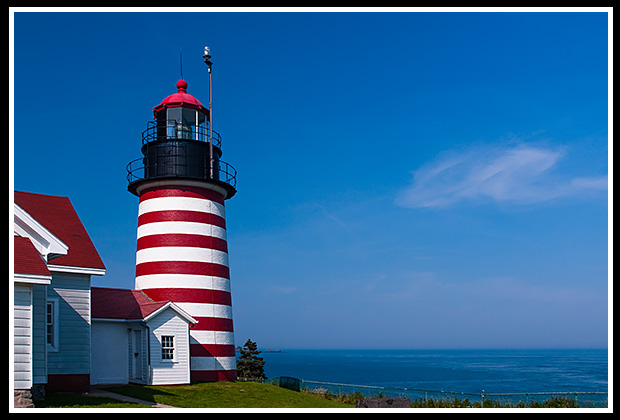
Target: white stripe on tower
[182,256]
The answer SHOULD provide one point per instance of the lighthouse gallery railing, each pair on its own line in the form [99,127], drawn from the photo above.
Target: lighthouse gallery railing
[170,151]
[224,172]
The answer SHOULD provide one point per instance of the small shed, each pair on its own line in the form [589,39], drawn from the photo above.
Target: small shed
[135,339]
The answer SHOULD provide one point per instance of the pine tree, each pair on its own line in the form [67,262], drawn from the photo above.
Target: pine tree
[249,365]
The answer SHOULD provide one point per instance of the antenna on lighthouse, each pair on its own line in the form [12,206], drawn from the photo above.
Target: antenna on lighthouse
[181,61]
[207,58]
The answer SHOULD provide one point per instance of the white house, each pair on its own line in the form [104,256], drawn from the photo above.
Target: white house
[135,339]
[53,261]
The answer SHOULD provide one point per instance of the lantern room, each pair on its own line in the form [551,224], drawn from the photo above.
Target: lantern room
[179,143]
[181,116]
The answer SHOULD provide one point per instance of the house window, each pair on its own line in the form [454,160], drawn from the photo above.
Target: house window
[167,347]
[51,325]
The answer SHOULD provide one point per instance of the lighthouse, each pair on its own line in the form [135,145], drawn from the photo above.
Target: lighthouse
[182,252]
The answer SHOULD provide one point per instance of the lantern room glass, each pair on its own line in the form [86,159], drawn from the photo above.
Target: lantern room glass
[185,123]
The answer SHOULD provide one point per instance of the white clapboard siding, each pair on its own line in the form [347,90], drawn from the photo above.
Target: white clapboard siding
[22,333]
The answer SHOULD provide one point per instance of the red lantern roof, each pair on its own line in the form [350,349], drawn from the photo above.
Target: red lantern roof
[181,99]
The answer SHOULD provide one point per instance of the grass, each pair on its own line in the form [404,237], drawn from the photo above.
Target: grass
[227,395]
[202,395]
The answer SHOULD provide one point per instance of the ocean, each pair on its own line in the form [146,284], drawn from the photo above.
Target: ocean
[456,371]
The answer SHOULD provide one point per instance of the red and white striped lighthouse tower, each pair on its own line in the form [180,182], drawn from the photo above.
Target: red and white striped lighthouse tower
[182,253]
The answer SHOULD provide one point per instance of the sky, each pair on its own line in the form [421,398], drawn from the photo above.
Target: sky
[407,179]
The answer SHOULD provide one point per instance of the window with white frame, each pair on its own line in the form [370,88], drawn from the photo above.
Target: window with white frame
[51,325]
[167,347]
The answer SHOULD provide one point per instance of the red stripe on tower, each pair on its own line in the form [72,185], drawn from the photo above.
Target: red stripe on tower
[188,216]
[182,239]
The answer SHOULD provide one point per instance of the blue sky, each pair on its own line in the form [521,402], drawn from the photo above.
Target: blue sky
[405,180]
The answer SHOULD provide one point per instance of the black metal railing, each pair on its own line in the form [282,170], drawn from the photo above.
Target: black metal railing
[172,129]
[227,174]
[177,165]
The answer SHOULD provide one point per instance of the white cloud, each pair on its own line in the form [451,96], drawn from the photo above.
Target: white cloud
[519,174]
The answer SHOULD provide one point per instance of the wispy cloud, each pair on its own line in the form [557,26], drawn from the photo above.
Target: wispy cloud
[522,174]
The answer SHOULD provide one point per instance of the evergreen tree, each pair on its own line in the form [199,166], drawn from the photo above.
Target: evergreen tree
[249,365]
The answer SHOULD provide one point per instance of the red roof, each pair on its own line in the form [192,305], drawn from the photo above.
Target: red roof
[27,259]
[181,99]
[58,216]
[112,303]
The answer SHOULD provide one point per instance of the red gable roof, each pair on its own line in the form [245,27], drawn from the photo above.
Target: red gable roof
[58,216]
[27,259]
[112,303]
